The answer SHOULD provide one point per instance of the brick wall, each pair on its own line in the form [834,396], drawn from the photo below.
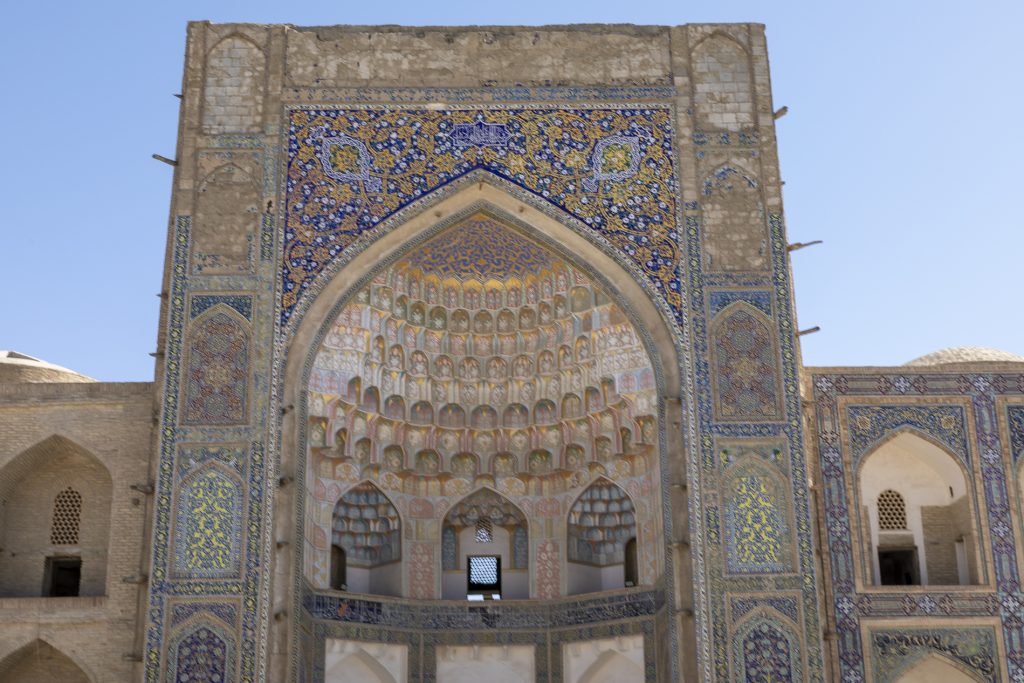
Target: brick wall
[95,437]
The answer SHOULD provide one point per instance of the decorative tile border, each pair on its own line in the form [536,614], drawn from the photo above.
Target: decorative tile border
[837,451]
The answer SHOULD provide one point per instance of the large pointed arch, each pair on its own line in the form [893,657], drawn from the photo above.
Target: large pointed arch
[648,312]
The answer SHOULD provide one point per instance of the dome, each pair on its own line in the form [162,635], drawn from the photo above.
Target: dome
[965,354]
[16,368]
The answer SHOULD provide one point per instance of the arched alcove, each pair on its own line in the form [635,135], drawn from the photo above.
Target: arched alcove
[600,528]
[919,523]
[745,359]
[50,490]
[40,662]
[487,402]
[367,529]
[634,330]
[235,72]
[216,383]
[732,204]
[484,533]
[716,61]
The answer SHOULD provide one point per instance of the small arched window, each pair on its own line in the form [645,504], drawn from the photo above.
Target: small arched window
[67,513]
[892,511]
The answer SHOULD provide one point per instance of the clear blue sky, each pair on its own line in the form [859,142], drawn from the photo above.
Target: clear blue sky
[902,150]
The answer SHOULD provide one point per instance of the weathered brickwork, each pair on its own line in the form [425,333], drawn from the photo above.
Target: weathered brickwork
[97,439]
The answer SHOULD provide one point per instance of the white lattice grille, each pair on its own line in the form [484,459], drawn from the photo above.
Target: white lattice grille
[67,512]
[892,511]
[484,530]
[483,571]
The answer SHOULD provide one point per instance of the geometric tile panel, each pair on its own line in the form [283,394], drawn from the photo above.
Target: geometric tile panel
[746,366]
[216,382]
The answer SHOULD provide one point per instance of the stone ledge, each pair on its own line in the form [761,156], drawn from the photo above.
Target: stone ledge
[36,608]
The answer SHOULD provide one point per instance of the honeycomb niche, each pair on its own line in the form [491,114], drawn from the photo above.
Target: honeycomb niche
[488,399]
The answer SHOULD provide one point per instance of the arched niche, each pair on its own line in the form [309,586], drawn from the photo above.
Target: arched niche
[745,358]
[358,667]
[367,529]
[600,528]
[735,233]
[216,382]
[226,216]
[619,659]
[641,308]
[939,544]
[235,72]
[723,92]
[485,524]
[39,556]
[202,648]
[40,662]
[349,661]
[765,648]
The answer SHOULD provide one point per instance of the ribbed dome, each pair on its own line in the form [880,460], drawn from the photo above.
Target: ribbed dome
[966,354]
[16,368]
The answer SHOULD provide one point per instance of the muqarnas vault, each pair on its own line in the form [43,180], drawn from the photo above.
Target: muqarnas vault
[477,359]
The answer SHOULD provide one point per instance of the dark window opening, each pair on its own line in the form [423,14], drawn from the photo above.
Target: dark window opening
[339,580]
[898,568]
[483,580]
[63,576]
[630,568]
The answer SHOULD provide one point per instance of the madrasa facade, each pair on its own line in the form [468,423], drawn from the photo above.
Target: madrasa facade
[478,360]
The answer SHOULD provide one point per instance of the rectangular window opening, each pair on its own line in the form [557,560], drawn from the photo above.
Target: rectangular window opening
[483,577]
[63,577]
[898,568]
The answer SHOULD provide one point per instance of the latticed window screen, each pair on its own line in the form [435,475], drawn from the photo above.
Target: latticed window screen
[483,571]
[892,511]
[484,530]
[67,512]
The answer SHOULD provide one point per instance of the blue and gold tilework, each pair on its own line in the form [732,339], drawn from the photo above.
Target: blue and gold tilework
[349,169]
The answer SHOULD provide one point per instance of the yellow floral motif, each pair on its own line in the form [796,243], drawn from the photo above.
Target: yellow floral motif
[756,526]
[208,542]
[411,153]
[616,158]
[345,159]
